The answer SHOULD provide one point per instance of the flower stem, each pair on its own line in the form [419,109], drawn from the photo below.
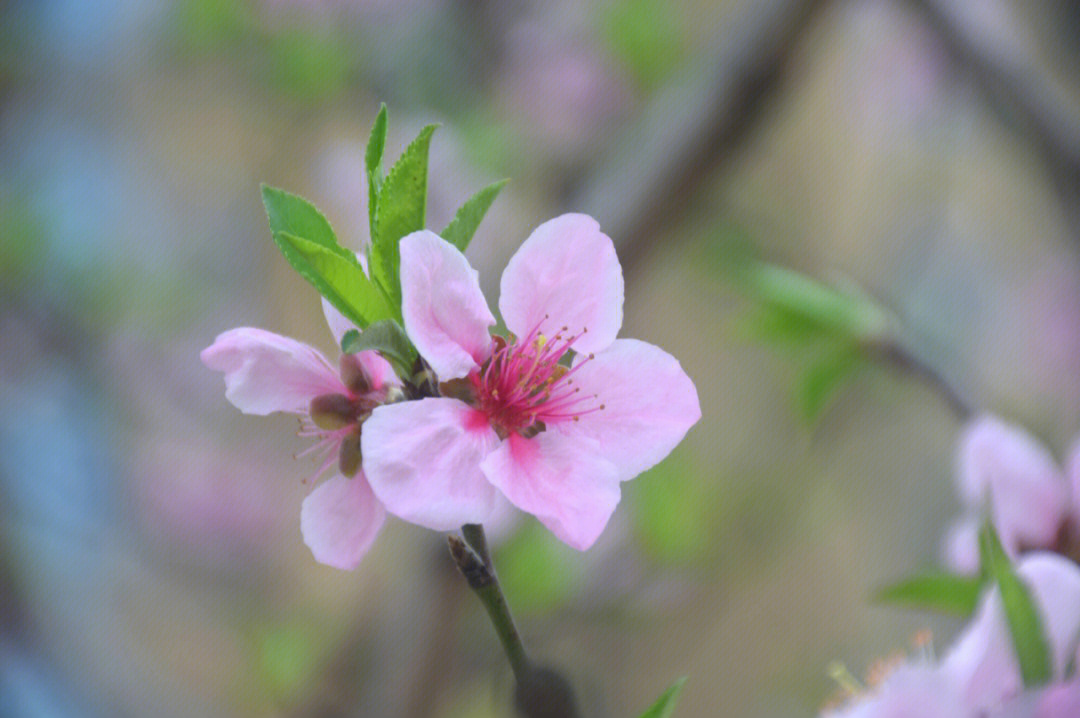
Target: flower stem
[474,561]
[541,692]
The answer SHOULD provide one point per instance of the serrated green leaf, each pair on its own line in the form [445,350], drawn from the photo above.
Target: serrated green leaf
[665,705]
[935,591]
[401,207]
[373,164]
[291,214]
[824,376]
[386,337]
[461,229]
[338,277]
[1025,625]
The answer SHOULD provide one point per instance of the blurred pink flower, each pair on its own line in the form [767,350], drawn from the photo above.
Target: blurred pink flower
[979,677]
[1003,468]
[556,439]
[265,373]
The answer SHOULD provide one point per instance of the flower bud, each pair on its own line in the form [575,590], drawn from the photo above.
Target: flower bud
[349,456]
[354,375]
[332,411]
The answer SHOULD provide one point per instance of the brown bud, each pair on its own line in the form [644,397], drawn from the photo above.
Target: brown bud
[354,375]
[458,389]
[349,457]
[332,411]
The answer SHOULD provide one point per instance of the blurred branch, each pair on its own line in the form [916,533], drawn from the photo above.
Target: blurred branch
[1005,66]
[692,125]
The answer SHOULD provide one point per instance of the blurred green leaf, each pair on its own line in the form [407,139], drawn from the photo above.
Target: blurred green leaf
[461,229]
[537,571]
[1025,626]
[935,591]
[825,375]
[665,705]
[386,337]
[337,276]
[647,37]
[309,62]
[401,208]
[287,657]
[808,304]
[373,164]
[674,512]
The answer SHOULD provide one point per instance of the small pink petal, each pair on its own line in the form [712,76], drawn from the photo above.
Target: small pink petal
[559,479]
[444,311]
[565,274]
[1027,492]
[911,691]
[423,461]
[649,404]
[266,372]
[340,520]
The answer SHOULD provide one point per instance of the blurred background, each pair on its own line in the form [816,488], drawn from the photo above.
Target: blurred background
[150,553]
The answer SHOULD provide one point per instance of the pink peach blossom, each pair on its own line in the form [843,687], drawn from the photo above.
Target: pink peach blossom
[265,373]
[552,417]
[1003,468]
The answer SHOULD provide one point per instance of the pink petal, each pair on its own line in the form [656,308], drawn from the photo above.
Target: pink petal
[559,479]
[266,372]
[338,322]
[961,546]
[1027,491]
[649,404]
[565,274]
[340,520]
[445,313]
[911,691]
[423,461]
[982,660]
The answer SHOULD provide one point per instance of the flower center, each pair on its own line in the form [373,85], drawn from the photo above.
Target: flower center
[524,386]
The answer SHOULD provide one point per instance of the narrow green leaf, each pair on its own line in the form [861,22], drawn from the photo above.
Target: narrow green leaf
[402,205]
[386,337]
[665,705]
[1025,625]
[373,164]
[291,214]
[935,591]
[461,229]
[338,277]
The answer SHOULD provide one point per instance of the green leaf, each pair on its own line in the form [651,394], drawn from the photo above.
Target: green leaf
[373,164]
[386,337]
[294,215]
[826,309]
[401,207]
[461,229]
[935,591]
[1025,626]
[825,376]
[665,705]
[338,277]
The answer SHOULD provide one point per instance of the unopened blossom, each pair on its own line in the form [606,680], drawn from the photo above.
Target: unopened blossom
[1032,502]
[266,373]
[552,417]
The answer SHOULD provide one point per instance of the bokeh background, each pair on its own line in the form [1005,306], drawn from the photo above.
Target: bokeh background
[150,553]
